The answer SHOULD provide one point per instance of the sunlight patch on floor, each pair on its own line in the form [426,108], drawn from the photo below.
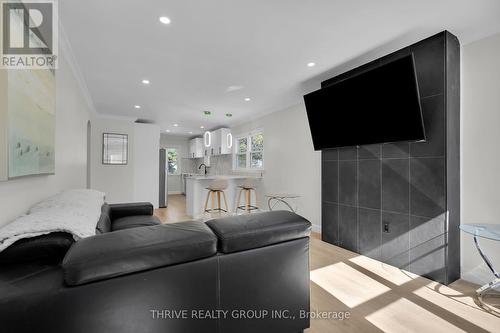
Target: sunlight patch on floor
[347,284]
[460,305]
[406,316]
[385,271]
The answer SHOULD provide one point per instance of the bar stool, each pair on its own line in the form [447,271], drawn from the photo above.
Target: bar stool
[248,186]
[216,187]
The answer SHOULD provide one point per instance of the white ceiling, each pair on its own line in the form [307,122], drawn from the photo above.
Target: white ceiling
[260,48]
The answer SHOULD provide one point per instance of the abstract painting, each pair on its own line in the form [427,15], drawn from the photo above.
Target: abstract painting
[31,122]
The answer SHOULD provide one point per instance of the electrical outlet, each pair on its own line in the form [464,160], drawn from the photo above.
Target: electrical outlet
[386,228]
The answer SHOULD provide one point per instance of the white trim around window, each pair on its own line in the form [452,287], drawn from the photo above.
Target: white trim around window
[248,151]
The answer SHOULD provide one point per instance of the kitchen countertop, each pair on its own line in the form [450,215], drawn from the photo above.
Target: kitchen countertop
[212,177]
[196,190]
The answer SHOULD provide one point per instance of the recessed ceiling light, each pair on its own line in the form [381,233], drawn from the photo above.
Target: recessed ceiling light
[247,99]
[176,125]
[202,127]
[190,132]
[207,113]
[168,131]
[233,88]
[145,81]
[311,64]
[165,20]
[137,106]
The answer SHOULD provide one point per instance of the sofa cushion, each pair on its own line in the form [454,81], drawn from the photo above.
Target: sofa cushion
[47,249]
[104,223]
[249,231]
[134,222]
[129,209]
[127,251]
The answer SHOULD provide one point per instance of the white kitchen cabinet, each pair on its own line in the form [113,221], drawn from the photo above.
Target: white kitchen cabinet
[226,141]
[215,146]
[221,142]
[207,143]
[196,149]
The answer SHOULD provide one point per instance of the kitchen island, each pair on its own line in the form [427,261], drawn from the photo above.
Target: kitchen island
[196,191]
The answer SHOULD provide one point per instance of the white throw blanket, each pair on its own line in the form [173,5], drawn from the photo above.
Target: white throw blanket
[76,212]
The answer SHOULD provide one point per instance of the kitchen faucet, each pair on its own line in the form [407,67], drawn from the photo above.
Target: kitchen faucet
[203,165]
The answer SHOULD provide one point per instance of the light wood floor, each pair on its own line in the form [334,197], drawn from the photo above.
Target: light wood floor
[378,297]
[382,298]
[175,211]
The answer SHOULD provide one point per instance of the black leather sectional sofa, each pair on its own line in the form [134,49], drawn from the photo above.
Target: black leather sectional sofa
[247,273]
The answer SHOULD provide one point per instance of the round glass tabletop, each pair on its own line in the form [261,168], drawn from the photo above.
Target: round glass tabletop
[489,231]
[282,195]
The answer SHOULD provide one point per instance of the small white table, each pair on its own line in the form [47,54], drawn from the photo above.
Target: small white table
[276,198]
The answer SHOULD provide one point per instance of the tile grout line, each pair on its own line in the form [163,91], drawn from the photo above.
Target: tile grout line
[395,158]
[379,210]
[357,200]
[381,205]
[409,206]
[338,194]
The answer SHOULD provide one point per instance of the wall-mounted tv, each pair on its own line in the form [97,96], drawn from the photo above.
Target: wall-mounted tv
[378,106]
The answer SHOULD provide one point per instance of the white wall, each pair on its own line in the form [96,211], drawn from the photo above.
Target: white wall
[291,164]
[146,163]
[4,151]
[117,181]
[480,150]
[182,145]
[72,113]
[138,180]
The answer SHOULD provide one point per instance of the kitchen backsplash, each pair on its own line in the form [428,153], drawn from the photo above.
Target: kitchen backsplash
[219,165]
[189,165]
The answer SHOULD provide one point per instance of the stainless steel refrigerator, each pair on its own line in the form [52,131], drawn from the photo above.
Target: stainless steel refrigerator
[163,179]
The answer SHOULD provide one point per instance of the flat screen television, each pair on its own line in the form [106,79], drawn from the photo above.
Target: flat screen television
[378,106]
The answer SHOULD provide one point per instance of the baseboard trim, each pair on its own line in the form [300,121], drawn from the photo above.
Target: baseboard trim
[480,275]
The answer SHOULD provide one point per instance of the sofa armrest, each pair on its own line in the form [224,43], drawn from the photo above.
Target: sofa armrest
[133,250]
[251,231]
[130,209]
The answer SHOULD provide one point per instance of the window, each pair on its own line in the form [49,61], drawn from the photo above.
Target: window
[114,149]
[241,154]
[249,151]
[173,162]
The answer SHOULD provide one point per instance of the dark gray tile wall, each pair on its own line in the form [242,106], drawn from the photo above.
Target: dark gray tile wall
[330,178]
[370,232]
[330,227]
[396,243]
[370,184]
[404,185]
[396,185]
[348,227]
[427,186]
[434,124]
[452,156]
[348,183]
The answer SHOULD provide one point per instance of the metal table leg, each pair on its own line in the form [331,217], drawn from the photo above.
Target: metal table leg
[278,200]
[481,292]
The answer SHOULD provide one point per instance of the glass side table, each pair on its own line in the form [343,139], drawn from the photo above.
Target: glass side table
[492,232]
[275,198]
